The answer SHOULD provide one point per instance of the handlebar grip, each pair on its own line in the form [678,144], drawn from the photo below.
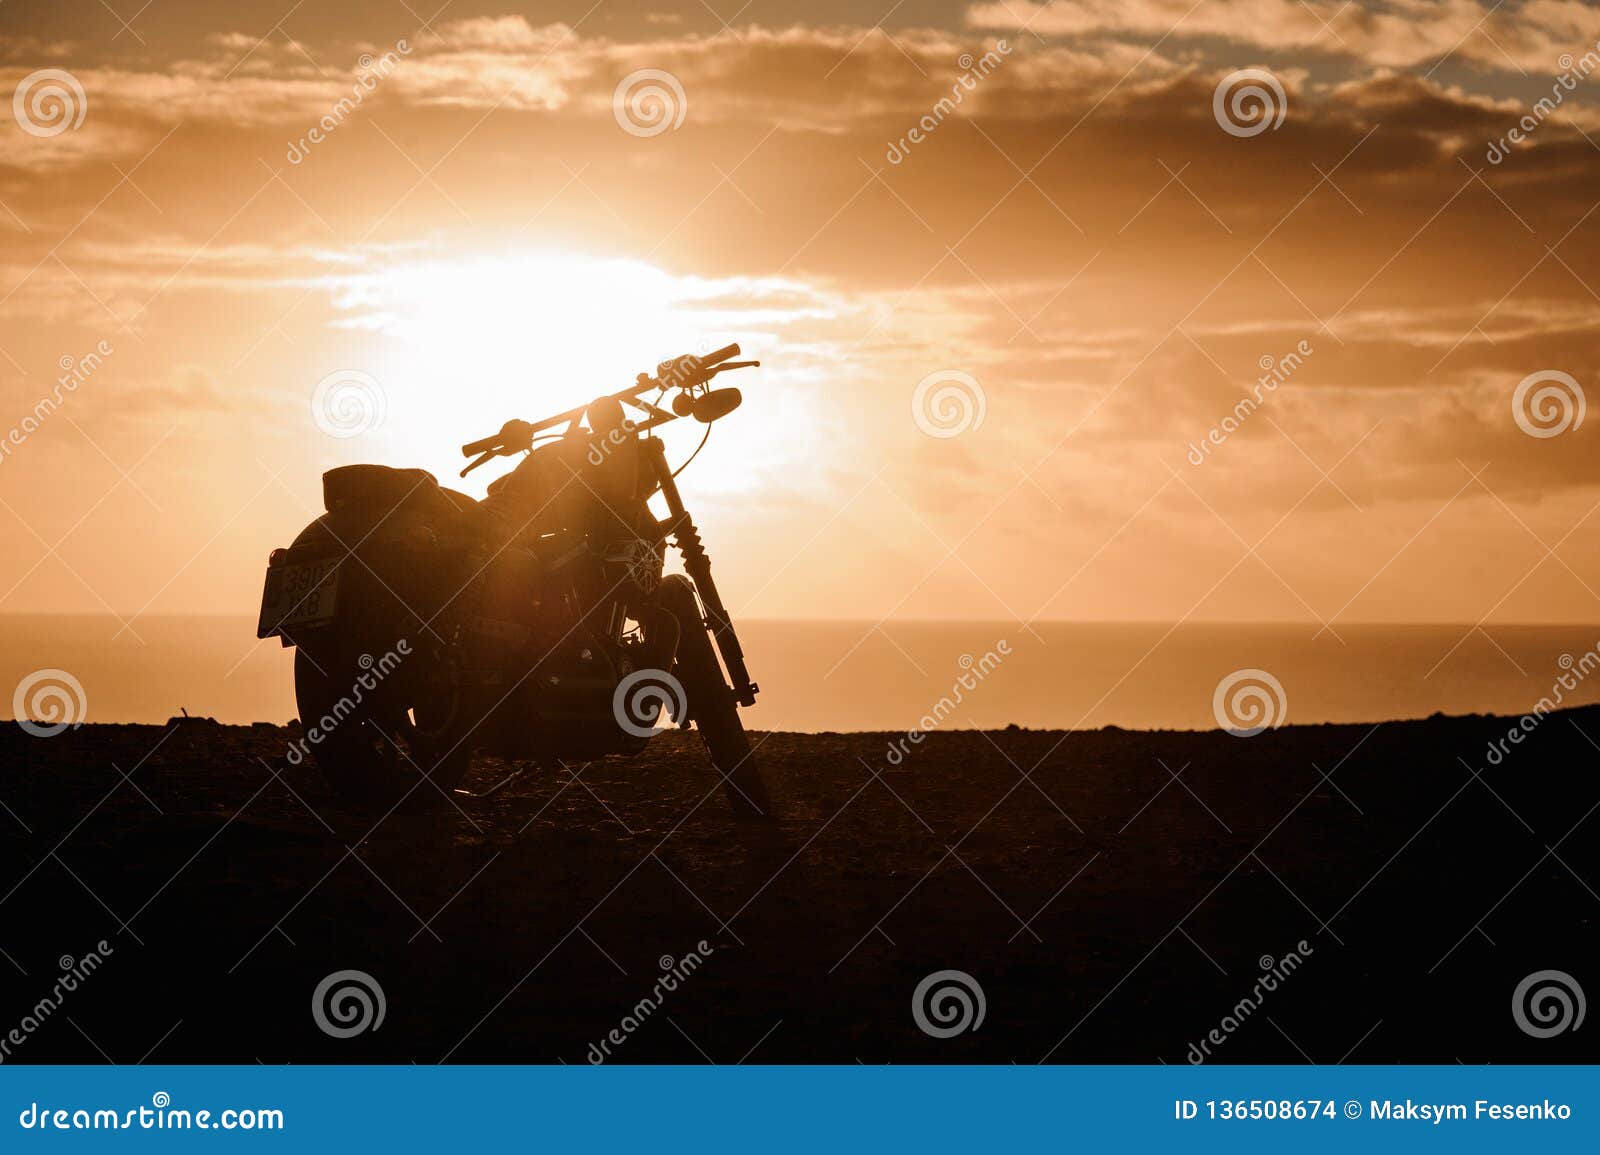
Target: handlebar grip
[483,445]
[720,355]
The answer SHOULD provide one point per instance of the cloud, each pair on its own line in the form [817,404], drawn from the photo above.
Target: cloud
[827,79]
[1197,249]
[35,49]
[1402,34]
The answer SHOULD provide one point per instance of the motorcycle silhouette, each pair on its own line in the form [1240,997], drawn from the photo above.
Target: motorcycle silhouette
[533,625]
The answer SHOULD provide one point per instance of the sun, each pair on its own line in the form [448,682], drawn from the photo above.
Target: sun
[466,342]
[544,320]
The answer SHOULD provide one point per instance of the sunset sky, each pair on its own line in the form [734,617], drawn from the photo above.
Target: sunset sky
[1079,249]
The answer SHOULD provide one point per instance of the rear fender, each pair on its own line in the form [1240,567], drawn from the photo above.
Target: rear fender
[343,580]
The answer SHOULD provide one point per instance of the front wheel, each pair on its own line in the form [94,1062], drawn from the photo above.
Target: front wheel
[711,704]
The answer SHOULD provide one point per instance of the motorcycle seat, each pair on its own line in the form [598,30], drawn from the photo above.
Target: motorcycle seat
[377,490]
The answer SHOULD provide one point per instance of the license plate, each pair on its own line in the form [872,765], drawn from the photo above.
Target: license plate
[298,594]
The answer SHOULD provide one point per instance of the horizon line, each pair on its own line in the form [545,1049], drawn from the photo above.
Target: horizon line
[1353,623]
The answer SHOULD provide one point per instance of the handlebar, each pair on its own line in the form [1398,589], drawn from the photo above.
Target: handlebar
[687,372]
[482,445]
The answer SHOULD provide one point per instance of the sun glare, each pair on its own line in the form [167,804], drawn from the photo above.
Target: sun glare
[467,343]
[540,319]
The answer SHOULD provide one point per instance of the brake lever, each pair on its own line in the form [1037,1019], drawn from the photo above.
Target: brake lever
[487,455]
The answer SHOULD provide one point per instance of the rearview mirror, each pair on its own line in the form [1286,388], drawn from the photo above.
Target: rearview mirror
[717,403]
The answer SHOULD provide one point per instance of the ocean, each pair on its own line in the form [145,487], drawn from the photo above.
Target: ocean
[818,676]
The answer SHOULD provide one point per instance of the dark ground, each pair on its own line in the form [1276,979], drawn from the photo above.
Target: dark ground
[1109,912]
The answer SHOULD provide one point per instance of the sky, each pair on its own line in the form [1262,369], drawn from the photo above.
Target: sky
[1091,310]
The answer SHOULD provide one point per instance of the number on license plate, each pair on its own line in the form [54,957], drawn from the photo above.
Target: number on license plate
[302,594]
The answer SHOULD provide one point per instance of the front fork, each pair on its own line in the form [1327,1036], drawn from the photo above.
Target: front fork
[698,566]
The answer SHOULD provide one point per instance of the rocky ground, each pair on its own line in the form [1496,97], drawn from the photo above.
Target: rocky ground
[1115,896]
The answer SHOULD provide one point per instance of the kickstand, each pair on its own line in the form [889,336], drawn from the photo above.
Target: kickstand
[495,789]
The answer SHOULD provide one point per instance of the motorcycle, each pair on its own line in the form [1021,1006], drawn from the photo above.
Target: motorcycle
[536,624]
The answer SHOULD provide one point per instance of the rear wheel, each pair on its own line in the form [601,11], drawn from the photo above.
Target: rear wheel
[380,748]
[711,704]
